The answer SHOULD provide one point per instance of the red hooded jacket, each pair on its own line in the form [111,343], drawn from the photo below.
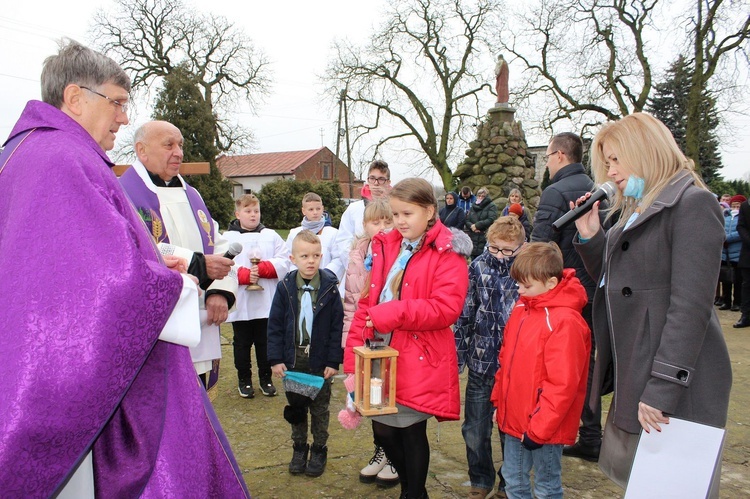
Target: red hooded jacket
[432,295]
[540,387]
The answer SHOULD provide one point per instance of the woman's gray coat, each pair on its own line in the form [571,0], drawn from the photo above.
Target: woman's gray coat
[654,319]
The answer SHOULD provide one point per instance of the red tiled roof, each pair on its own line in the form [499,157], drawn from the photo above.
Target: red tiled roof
[270,163]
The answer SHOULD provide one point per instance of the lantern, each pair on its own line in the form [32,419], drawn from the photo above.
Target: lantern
[375,389]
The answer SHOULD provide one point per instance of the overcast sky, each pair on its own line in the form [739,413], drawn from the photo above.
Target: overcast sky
[296,37]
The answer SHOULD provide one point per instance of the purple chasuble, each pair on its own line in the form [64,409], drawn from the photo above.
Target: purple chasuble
[147,204]
[81,366]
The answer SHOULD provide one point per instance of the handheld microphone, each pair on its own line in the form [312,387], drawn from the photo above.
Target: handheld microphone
[606,191]
[234,250]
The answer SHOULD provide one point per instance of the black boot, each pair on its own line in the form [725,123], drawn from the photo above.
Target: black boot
[299,459]
[743,322]
[318,459]
[581,451]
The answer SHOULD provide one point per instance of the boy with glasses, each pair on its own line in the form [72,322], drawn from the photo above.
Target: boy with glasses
[377,187]
[479,333]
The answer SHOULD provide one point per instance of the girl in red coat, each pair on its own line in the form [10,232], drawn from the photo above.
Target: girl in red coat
[417,288]
[540,387]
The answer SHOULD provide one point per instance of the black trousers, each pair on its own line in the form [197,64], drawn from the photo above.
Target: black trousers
[247,334]
[745,304]
[590,431]
[732,290]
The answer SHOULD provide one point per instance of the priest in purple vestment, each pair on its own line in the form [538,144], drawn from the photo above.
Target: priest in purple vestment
[99,397]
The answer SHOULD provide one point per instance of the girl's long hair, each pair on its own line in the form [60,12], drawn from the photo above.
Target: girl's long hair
[646,148]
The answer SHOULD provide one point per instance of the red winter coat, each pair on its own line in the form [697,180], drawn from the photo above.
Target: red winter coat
[544,361]
[432,295]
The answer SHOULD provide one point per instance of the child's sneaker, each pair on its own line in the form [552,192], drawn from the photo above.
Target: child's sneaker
[387,477]
[299,459]
[369,473]
[318,458]
[245,388]
[267,388]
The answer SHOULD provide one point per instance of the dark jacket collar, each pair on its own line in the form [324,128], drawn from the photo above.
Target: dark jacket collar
[567,171]
[483,204]
[327,280]
[235,226]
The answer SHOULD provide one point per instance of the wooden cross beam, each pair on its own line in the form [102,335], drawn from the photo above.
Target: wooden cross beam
[185,169]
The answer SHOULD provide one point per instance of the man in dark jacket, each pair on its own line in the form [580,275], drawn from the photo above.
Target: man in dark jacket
[569,181]
[743,227]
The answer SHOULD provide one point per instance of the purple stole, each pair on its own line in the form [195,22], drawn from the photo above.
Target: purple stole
[10,147]
[147,205]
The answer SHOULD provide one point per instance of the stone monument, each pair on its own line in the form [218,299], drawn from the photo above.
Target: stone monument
[498,158]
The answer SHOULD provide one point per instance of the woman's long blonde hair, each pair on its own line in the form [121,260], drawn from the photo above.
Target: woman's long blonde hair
[646,148]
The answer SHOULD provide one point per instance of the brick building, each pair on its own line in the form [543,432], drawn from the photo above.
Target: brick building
[250,172]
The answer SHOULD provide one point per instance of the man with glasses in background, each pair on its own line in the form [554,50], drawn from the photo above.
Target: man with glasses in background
[568,182]
[378,186]
[98,392]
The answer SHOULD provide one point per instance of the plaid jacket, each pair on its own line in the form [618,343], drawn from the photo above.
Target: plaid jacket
[489,302]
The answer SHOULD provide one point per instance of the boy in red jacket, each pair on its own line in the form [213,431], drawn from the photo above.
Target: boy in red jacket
[541,384]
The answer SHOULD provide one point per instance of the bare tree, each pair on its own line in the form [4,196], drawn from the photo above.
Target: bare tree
[584,61]
[418,77]
[719,28]
[150,38]
[590,61]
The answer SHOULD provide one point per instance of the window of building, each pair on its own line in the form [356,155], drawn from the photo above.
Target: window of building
[326,167]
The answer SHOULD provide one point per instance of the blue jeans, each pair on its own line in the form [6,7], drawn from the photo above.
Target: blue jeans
[547,464]
[477,430]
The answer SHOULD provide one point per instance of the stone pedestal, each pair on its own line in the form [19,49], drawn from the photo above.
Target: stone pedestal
[502,112]
[498,159]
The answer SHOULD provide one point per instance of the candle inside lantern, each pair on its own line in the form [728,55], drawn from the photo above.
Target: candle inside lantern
[376,391]
[254,252]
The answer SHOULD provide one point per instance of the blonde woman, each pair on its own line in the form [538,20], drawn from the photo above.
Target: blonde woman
[656,270]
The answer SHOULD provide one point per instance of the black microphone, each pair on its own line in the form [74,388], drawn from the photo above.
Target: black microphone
[606,191]
[234,250]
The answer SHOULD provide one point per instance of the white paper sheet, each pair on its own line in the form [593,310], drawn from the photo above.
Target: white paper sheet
[677,462]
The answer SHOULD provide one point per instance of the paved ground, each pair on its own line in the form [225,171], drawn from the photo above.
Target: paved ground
[261,441]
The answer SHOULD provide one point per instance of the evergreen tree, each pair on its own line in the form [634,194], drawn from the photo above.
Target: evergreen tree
[669,104]
[281,202]
[180,103]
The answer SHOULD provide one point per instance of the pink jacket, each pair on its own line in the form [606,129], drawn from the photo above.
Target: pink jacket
[356,275]
[432,295]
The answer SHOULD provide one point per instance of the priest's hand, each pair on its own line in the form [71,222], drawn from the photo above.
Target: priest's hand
[176,263]
[217,267]
[216,309]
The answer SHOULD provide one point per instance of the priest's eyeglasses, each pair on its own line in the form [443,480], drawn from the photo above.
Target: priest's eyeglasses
[122,105]
[506,252]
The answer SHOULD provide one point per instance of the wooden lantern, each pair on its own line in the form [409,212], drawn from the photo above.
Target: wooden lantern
[375,396]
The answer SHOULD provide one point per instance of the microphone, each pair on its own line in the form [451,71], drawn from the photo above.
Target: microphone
[234,250]
[605,191]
